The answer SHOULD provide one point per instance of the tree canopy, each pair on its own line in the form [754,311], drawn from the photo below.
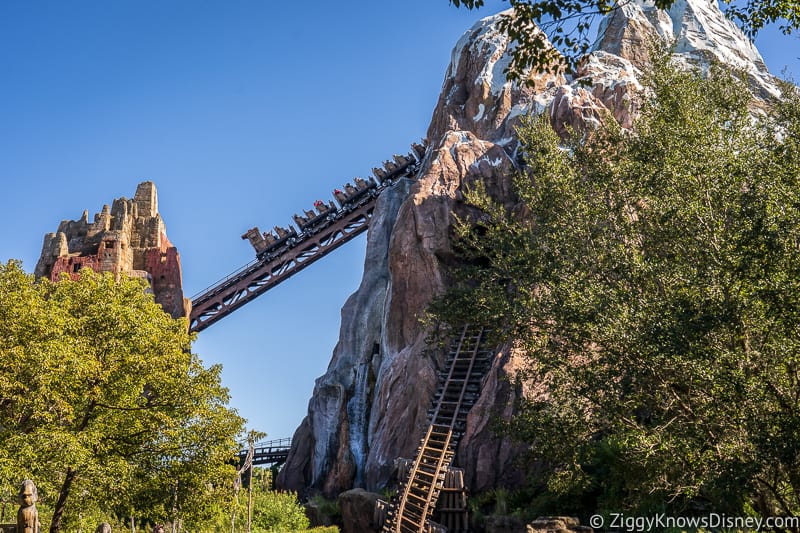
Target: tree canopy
[651,280]
[103,404]
[568,23]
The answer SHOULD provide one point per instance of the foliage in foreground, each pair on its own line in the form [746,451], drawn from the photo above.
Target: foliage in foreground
[653,283]
[271,510]
[104,406]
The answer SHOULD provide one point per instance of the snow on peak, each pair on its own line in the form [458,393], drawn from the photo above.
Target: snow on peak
[698,30]
[484,42]
[700,25]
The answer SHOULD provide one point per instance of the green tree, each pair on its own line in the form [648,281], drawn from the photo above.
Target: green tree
[103,404]
[567,24]
[652,279]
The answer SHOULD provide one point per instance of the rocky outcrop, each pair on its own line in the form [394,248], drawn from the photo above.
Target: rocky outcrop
[370,406]
[544,524]
[358,510]
[127,238]
[556,524]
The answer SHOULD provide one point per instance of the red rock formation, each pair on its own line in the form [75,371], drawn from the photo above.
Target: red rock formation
[129,238]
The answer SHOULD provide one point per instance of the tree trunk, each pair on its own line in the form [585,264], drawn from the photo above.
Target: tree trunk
[61,503]
[58,510]
[250,487]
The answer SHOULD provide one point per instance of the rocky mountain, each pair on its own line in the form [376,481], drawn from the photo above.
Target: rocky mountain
[370,406]
[129,237]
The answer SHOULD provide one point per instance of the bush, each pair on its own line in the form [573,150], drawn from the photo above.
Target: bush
[320,529]
[327,511]
[278,511]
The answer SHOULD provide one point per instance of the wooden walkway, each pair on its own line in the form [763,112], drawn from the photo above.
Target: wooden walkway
[271,452]
[459,388]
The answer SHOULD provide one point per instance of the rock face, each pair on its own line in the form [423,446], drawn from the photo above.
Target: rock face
[129,238]
[358,509]
[370,407]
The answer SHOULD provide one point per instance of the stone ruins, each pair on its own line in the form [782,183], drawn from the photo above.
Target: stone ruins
[129,238]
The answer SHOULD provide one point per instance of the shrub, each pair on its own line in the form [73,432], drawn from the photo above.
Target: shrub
[278,511]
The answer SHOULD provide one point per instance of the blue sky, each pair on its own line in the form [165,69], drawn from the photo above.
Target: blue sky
[242,113]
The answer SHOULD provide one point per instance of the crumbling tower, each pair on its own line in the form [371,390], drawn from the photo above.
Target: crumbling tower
[128,238]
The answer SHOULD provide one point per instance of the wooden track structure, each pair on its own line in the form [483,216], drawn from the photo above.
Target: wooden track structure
[451,507]
[304,247]
[459,387]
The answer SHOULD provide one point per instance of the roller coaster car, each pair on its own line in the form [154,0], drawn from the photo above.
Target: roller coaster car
[272,242]
[301,220]
[380,174]
[285,233]
[392,169]
[390,166]
[340,196]
[353,194]
[402,160]
[322,207]
[312,219]
[362,184]
[419,150]
[258,241]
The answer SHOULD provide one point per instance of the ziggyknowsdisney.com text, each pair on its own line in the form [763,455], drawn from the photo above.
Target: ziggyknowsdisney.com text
[658,522]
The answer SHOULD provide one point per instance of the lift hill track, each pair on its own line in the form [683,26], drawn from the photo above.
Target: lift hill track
[289,250]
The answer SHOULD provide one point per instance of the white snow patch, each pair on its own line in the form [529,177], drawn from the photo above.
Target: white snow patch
[488,47]
[492,46]
[463,137]
[452,93]
[611,71]
[518,109]
[455,55]
[473,35]
[479,115]
[496,162]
